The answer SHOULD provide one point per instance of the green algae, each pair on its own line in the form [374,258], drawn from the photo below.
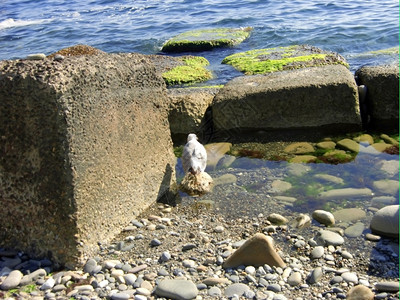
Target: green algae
[206,39]
[261,61]
[193,70]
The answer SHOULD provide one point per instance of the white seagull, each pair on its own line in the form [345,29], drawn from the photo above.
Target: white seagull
[194,156]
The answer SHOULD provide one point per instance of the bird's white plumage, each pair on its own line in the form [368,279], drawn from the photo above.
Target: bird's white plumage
[194,156]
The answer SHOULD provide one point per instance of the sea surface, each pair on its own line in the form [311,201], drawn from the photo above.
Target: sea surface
[350,27]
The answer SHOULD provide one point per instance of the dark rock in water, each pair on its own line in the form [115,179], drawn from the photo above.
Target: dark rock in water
[382,97]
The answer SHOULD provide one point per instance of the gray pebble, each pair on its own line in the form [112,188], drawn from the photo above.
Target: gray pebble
[12,280]
[317,252]
[350,277]
[214,292]
[294,279]
[165,256]
[176,289]
[155,242]
[188,247]
[236,289]
[346,255]
[49,283]
[315,275]
[388,286]
[120,296]
[336,279]
[274,287]
[90,266]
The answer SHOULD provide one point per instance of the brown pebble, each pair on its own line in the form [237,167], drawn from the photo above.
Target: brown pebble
[360,292]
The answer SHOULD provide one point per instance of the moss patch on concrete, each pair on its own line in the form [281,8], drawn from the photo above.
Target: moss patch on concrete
[206,39]
[261,61]
[193,70]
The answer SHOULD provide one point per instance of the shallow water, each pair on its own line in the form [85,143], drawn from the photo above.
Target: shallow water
[350,28]
[255,190]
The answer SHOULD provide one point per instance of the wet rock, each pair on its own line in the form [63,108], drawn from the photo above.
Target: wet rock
[256,251]
[390,167]
[329,178]
[372,237]
[225,179]
[324,217]
[388,139]
[215,152]
[364,138]
[302,220]
[382,201]
[176,289]
[326,238]
[36,56]
[355,230]
[298,159]
[299,148]
[346,193]
[348,144]
[298,170]
[285,199]
[327,145]
[349,214]
[386,186]
[206,39]
[360,292]
[386,221]
[279,186]
[277,219]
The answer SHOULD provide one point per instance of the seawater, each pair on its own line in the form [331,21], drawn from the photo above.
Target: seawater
[349,27]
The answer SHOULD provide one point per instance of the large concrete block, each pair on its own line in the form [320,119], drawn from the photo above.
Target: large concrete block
[313,98]
[382,97]
[85,146]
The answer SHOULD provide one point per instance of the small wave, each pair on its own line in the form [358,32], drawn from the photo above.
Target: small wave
[10,23]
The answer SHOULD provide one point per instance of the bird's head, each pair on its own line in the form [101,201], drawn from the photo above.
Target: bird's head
[191,136]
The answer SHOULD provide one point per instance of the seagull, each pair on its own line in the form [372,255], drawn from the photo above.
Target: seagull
[194,156]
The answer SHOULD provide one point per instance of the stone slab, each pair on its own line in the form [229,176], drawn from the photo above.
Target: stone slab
[382,97]
[322,98]
[82,151]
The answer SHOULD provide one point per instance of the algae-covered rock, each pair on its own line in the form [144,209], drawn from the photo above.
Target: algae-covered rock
[190,70]
[77,50]
[206,39]
[261,61]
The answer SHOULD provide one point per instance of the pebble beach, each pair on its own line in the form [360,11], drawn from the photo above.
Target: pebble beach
[180,251]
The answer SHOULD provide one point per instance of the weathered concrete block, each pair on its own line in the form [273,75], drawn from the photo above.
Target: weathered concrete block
[85,146]
[318,97]
[188,111]
[382,98]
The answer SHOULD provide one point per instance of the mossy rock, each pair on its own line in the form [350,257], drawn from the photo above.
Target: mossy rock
[77,50]
[261,61]
[190,70]
[206,39]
